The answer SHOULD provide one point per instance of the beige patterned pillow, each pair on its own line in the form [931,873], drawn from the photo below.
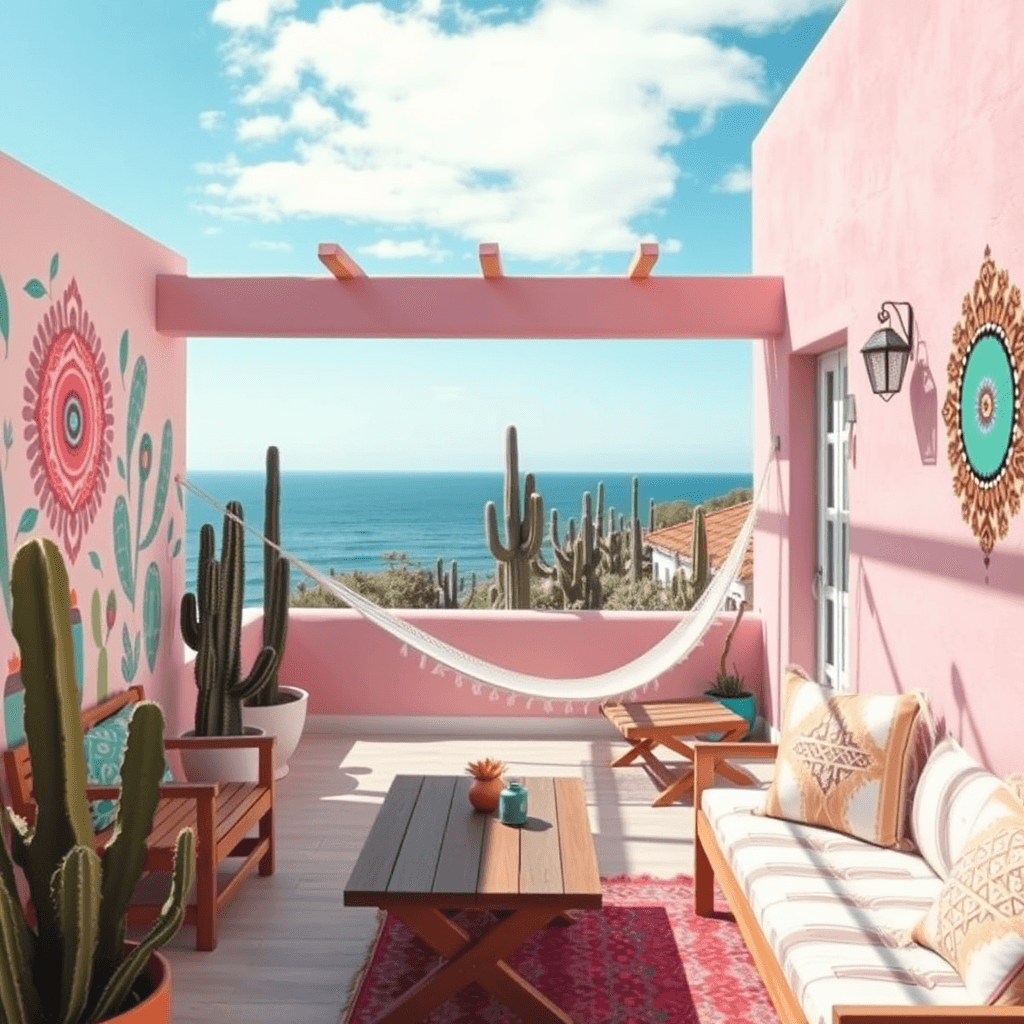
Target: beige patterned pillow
[977,920]
[848,761]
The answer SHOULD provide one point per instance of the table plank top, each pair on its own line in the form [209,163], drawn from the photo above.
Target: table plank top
[687,716]
[428,846]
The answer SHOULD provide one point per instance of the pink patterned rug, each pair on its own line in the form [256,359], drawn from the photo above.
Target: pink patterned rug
[643,958]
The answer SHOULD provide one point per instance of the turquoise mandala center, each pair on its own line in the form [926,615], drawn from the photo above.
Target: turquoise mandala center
[987,405]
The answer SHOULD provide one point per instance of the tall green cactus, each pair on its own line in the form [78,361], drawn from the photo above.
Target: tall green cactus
[72,967]
[638,563]
[522,530]
[447,585]
[275,589]
[211,624]
[687,589]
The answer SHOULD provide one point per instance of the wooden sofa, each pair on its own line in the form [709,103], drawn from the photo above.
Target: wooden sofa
[220,813]
[711,864]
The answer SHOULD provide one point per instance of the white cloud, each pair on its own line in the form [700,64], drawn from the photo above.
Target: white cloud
[736,179]
[549,133]
[390,249]
[671,245]
[210,119]
[267,246]
[248,14]
[213,231]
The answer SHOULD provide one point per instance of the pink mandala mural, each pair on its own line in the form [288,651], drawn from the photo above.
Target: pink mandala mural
[69,419]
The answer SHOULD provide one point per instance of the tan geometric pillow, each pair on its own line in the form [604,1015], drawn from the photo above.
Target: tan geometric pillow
[847,761]
[977,920]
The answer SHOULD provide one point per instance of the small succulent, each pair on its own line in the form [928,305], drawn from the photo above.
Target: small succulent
[730,684]
[487,769]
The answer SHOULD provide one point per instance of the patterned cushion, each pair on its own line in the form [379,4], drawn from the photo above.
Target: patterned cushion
[950,794]
[105,745]
[846,761]
[977,920]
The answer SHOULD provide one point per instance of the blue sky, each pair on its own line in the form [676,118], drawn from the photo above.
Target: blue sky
[241,133]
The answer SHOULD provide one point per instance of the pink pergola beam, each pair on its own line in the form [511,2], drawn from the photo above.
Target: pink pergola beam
[338,262]
[644,258]
[490,260]
[470,307]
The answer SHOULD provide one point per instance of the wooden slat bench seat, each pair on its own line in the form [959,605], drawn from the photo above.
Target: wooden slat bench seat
[222,814]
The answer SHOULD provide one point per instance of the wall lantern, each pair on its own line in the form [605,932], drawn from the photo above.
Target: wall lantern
[886,354]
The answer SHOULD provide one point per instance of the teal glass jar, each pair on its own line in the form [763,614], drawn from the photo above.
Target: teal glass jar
[512,804]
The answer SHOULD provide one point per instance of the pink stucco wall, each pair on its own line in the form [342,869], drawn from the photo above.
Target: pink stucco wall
[351,667]
[77,294]
[883,173]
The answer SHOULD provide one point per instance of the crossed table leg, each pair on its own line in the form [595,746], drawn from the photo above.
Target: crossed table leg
[676,786]
[468,960]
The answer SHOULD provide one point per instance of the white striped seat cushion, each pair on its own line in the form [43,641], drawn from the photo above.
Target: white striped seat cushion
[835,909]
[951,792]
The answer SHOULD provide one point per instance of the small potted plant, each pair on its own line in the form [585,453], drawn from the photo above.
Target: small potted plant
[74,964]
[486,790]
[729,689]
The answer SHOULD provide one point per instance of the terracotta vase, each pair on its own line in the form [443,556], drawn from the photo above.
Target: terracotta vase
[156,1007]
[484,793]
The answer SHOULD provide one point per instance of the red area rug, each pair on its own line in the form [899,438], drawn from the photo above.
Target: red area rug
[643,958]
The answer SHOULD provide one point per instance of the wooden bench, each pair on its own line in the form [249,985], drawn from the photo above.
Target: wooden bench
[220,813]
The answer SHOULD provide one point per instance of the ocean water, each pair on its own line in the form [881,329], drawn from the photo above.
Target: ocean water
[347,521]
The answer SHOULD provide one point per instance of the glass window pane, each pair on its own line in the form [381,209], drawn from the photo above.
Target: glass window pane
[846,557]
[830,473]
[829,554]
[829,639]
[829,400]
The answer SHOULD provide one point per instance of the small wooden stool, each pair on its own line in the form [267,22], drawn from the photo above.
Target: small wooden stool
[649,723]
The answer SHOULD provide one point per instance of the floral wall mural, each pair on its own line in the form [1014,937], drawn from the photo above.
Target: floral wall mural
[982,410]
[88,447]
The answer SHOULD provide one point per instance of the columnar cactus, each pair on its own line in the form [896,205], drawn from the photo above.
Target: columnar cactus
[522,530]
[447,585]
[637,562]
[275,590]
[212,626]
[72,966]
[686,590]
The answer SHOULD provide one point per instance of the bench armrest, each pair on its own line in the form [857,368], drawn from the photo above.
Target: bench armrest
[220,742]
[707,755]
[922,1014]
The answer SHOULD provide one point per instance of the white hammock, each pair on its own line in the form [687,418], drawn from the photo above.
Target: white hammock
[644,669]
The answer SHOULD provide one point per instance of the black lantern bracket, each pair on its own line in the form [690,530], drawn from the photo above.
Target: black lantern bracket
[908,327]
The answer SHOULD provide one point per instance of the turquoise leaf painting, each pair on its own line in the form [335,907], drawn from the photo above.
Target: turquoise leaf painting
[5,316]
[95,559]
[35,288]
[151,613]
[27,521]
[123,548]
[54,264]
[123,355]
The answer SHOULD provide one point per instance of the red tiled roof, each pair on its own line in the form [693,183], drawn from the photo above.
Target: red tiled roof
[723,525]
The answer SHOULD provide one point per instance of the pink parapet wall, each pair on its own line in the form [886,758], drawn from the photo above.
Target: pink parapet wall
[883,173]
[92,406]
[352,667]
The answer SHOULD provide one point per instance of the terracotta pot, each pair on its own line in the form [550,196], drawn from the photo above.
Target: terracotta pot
[484,793]
[156,1007]
[284,720]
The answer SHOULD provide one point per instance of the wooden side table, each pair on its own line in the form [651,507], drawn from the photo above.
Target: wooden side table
[648,724]
[429,851]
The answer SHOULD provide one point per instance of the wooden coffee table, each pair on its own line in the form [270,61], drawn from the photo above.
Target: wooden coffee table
[646,724]
[429,852]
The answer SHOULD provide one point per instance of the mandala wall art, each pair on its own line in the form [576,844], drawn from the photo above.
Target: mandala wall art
[982,410]
[69,418]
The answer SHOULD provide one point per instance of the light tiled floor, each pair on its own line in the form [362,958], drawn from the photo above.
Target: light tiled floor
[288,949]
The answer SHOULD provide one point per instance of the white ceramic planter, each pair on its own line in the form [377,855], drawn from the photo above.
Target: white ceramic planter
[223,764]
[285,721]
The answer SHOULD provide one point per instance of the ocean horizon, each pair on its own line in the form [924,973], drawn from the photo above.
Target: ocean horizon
[347,521]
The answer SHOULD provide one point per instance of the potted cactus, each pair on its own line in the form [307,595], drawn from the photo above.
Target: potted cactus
[74,964]
[729,689]
[211,624]
[276,709]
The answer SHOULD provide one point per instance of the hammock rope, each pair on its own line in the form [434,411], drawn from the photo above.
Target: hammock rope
[641,671]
